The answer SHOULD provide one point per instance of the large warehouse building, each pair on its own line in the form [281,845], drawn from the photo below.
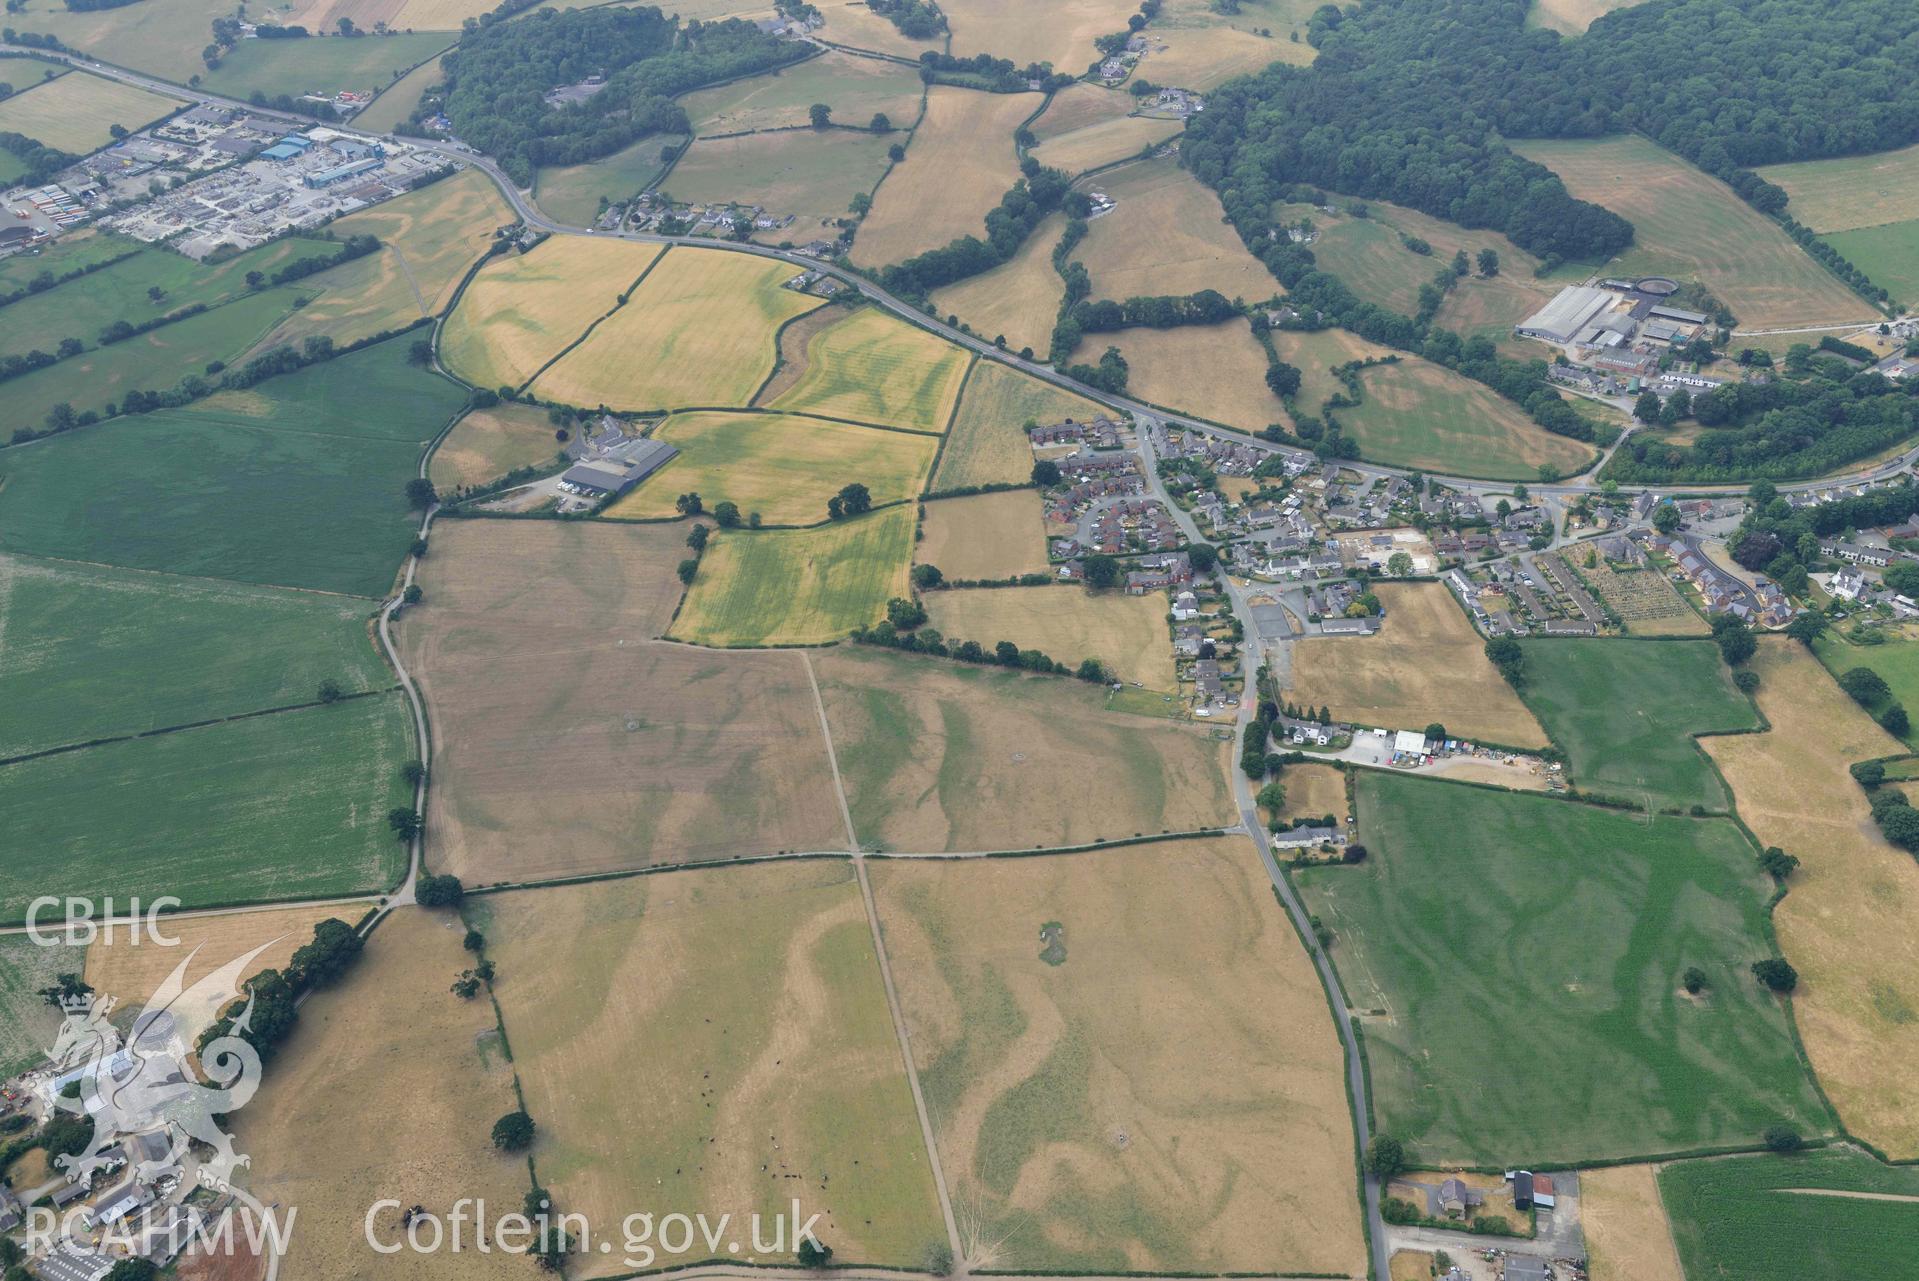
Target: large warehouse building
[1567,315]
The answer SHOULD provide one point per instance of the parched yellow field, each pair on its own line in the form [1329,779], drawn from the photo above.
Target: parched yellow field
[1313,791]
[873,367]
[781,467]
[773,1072]
[1426,664]
[1690,225]
[853,24]
[1017,300]
[987,442]
[941,756]
[1572,17]
[959,163]
[389,1044]
[1126,633]
[1628,1236]
[447,15]
[428,239]
[1105,143]
[853,86]
[1194,46]
[75,112]
[1060,31]
[163,37]
[1314,354]
[1845,922]
[1081,105]
[1167,237]
[488,443]
[1216,372]
[1852,191]
[984,535]
[701,330]
[133,974]
[1154,1086]
[522,310]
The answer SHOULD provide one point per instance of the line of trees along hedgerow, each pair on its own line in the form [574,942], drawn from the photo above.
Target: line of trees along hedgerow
[497,76]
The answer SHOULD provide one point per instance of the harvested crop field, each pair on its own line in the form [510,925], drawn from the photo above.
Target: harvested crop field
[702,329]
[781,467]
[942,756]
[522,310]
[810,174]
[1107,142]
[800,586]
[1845,920]
[1691,226]
[1215,372]
[987,443]
[75,112]
[1424,416]
[1128,1061]
[958,165]
[854,87]
[389,1042]
[1017,300]
[1192,44]
[875,368]
[535,652]
[1851,191]
[984,535]
[486,444]
[1168,236]
[853,24]
[132,973]
[773,1068]
[1628,1237]
[1596,913]
[1080,105]
[1426,664]
[1127,634]
[1061,32]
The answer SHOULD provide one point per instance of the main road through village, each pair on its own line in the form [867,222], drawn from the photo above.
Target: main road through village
[1258,653]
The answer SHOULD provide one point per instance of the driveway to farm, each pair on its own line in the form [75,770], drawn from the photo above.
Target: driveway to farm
[523,205]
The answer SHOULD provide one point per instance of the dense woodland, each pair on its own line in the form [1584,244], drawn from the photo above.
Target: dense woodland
[498,76]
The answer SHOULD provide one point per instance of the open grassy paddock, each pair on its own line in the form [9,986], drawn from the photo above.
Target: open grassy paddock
[1572,17]
[1844,920]
[701,330]
[1167,236]
[75,112]
[488,443]
[572,193]
[194,810]
[93,652]
[28,1025]
[801,586]
[1625,712]
[400,98]
[1888,254]
[855,88]
[1215,372]
[162,37]
[1107,142]
[1314,354]
[1628,1237]
[1477,905]
[958,165]
[297,482]
[390,1043]
[987,443]
[1849,192]
[328,65]
[1061,32]
[811,174]
[773,1070]
[875,368]
[853,24]
[784,468]
[1153,1086]
[1080,105]
[1829,1216]
[942,756]
[1193,45]
[1426,664]
[522,310]
[1127,634]
[1691,226]
[1417,414]
[1017,300]
[1896,661]
[984,535]
[534,649]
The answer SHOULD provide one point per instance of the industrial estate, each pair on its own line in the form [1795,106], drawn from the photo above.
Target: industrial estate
[952,638]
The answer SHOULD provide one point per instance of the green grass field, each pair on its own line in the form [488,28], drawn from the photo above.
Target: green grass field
[783,468]
[76,113]
[399,99]
[1420,415]
[1888,254]
[811,174]
[1896,661]
[1625,712]
[855,88]
[571,193]
[297,482]
[1762,1218]
[873,368]
[76,249]
[798,587]
[987,442]
[28,1025]
[288,805]
[1845,192]
[1521,956]
[91,653]
[365,64]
